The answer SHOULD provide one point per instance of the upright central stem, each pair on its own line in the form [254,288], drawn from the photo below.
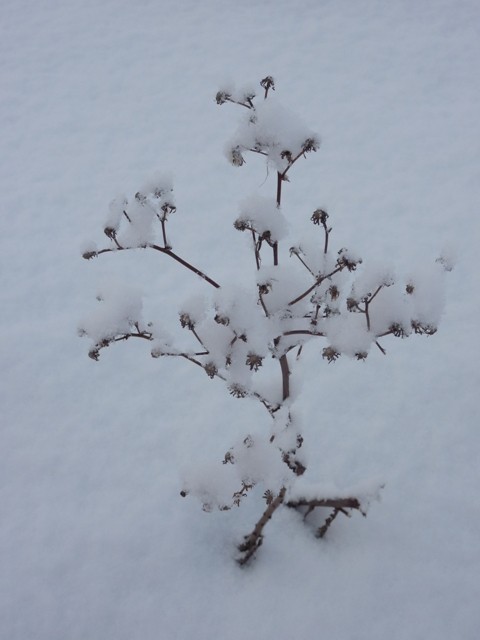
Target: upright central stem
[279,188]
[279,199]
[285,377]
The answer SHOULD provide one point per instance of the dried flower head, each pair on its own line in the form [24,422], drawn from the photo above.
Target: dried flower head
[222,97]
[267,83]
[110,232]
[425,329]
[346,260]
[210,369]
[319,216]
[334,291]
[220,318]
[241,224]
[88,255]
[330,354]
[310,144]
[254,361]
[397,330]
[236,157]
[186,320]
[237,391]
[361,355]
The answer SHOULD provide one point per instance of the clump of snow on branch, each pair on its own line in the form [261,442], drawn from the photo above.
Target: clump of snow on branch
[118,313]
[273,131]
[263,216]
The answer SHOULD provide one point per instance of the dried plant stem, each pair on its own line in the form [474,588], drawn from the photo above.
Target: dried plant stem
[334,503]
[339,505]
[167,251]
[367,305]
[304,263]
[285,377]
[254,540]
[317,282]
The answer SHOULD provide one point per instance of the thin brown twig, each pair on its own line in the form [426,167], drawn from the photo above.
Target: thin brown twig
[317,282]
[166,251]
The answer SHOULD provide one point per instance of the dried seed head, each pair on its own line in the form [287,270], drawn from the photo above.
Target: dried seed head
[229,458]
[87,255]
[110,232]
[352,304]
[397,330]
[186,320]
[330,311]
[319,216]
[423,329]
[310,144]
[236,157]
[210,369]
[361,355]
[268,83]
[345,260]
[222,97]
[222,319]
[264,288]
[330,354]
[237,391]
[241,224]
[167,209]
[334,292]
[254,361]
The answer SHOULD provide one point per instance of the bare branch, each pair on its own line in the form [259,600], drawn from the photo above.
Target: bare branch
[254,541]
[166,250]
[334,503]
[317,282]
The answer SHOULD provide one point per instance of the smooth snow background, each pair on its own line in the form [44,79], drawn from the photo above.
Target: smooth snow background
[94,539]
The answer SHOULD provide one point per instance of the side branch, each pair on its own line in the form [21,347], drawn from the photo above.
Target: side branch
[296,332]
[166,250]
[333,503]
[94,352]
[186,264]
[339,505]
[317,282]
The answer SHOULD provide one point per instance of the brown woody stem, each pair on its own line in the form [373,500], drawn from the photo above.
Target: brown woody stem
[253,541]
[170,253]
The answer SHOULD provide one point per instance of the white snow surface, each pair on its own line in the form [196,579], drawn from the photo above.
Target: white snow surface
[95,541]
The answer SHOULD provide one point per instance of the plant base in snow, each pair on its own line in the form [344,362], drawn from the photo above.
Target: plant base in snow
[254,540]
[251,335]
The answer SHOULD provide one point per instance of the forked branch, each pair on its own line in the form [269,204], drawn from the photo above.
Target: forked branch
[254,541]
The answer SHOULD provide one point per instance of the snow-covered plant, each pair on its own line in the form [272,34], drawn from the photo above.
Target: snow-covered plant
[299,295]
